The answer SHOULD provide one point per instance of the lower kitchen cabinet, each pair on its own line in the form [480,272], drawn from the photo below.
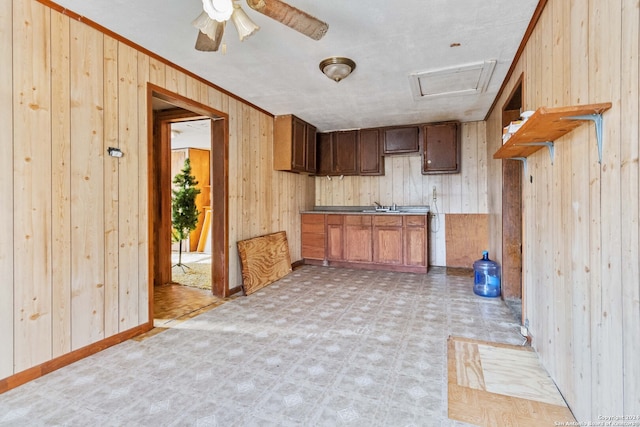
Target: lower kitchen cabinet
[313,236]
[387,239]
[335,237]
[357,242]
[375,241]
[415,240]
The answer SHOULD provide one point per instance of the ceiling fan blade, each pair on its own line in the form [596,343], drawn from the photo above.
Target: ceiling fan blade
[291,17]
[205,44]
[210,34]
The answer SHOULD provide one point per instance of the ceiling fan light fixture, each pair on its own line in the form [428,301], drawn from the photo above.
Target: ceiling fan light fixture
[219,10]
[212,28]
[243,23]
[337,67]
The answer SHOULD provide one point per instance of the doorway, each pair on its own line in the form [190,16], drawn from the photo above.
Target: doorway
[512,226]
[191,257]
[164,109]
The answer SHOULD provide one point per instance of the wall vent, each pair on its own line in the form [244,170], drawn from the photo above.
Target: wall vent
[466,79]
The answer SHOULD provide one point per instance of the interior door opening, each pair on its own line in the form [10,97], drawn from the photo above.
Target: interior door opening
[171,112]
[512,236]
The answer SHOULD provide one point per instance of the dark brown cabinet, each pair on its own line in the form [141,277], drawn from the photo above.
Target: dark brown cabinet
[353,152]
[441,153]
[294,145]
[370,148]
[401,139]
[345,152]
[338,153]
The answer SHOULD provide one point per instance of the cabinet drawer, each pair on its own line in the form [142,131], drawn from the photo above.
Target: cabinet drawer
[335,219]
[415,220]
[313,228]
[387,221]
[364,220]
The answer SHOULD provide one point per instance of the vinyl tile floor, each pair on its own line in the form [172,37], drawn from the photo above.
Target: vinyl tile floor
[320,347]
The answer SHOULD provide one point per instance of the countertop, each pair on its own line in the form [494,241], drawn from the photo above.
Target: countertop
[369,210]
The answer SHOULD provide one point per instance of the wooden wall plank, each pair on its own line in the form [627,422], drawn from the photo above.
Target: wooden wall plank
[562,190]
[87,185]
[175,81]
[606,330]
[630,189]
[111,184]
[144,176]
[157,72]
[6,190]
[128,186]
[579,390]
[32,184]
[60,185]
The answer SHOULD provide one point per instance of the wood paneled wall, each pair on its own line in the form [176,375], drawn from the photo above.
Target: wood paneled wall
[404,184]
[74,222]
[581,250]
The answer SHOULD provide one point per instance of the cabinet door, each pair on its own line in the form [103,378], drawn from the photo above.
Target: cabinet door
[401,139]
[310,149]
[345,152]
[387,239]
[313,236]
[415,240]
[324,151]
[370,147]
[441,148]
[358,238]
[299,145]
[335,238]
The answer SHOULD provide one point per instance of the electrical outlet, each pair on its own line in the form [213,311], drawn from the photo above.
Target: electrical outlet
[435,194]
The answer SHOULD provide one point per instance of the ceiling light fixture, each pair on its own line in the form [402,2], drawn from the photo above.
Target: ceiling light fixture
[337,67]
[243,23]
[212,20]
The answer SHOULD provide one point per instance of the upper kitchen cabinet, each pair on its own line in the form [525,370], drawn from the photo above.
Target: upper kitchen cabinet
[345,152]
[371,160]
[294,145]
[338,153]
[352,152]
[401,139]
[441,153]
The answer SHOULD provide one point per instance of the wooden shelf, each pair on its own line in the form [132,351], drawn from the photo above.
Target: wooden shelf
[548,124]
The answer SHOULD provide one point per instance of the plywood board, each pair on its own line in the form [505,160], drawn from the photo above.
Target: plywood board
[466,236]
[487,387]
[264,260]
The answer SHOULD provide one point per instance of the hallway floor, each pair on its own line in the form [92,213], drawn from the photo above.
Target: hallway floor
[320,347]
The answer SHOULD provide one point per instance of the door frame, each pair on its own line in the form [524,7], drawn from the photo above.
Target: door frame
[160,195]
[512,216]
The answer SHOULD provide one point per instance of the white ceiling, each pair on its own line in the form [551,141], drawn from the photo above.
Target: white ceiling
[277,70]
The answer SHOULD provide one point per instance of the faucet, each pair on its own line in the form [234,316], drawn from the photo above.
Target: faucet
[378,204]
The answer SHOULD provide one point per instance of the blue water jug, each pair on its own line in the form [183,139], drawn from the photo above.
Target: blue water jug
[486,277]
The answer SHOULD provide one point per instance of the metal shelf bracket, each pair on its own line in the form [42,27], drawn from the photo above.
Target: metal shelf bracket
[597,121]
[548,144]
[523,160]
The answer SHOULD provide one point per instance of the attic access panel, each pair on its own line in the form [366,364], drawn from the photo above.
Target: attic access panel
[460,80]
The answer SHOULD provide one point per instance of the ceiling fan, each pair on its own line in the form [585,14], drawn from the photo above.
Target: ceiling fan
[216,13]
